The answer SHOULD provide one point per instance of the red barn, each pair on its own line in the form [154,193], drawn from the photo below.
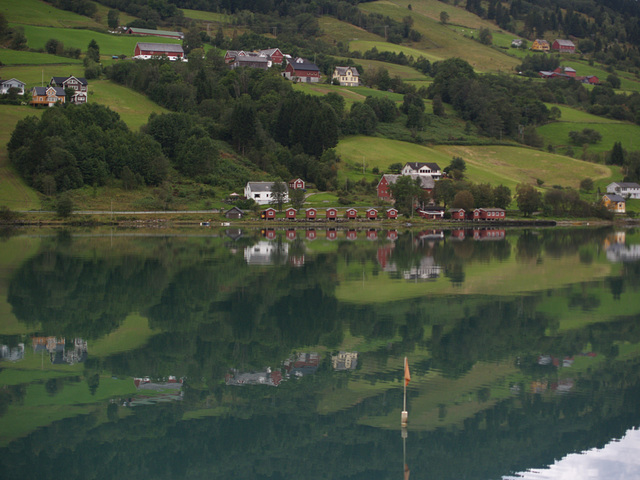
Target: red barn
[563,46]
[301,70]
[268,214]
[372,214]
[332,234]
[392,213]
[311,213]
[290,213]
[146,51]
[351,213]
[332,213]
[311,234]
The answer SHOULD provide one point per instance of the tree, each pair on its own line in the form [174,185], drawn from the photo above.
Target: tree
[18,39]
[438,106]
[93,51]
[457,165]
[444,191]
[54,47]
[415,118]
[444,17]
[296,197]
[278,194]
[528,198]
[113,19]
[405,191]
[616,156]
[64,206]
[501,196]
[485,36]
[586,184]
[463,199]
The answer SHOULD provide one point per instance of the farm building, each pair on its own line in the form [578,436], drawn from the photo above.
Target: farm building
[563,46]
[301,70]
[146,51]
[154,33]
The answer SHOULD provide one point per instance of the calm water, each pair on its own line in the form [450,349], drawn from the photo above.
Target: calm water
[279,354]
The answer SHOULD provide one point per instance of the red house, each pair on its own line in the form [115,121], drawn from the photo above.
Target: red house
[392,213]
[290,213]
[489,214]
[311,234]
[332,234]
[291,234]
[301,70]
[372,234]
[427,183]
[269,214]
[332,213]
[432,213]
[296,184]
[311,213]
[372,214]
[351,213]
[352,235]
[146,51]
[457,213]
[273,54]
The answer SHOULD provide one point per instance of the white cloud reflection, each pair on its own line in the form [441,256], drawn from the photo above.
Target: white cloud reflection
[618,460]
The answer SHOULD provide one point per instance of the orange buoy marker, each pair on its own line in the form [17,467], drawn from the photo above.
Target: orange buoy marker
[404,417]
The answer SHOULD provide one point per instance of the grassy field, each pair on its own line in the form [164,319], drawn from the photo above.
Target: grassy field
[493,164]
[37,12]
[79,38]
[351,95]
[206,16]
[338,31]
[14,57]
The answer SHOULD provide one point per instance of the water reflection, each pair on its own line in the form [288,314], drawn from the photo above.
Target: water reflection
[524,345]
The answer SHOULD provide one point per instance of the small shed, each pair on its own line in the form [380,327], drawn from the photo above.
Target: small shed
[269,214]
[311,234]
[290,213]
[332,213]
[392,213]
[351,214]
[372,214]
[311,213]
[234,213]
[332,234]
[291,234]
[296,184]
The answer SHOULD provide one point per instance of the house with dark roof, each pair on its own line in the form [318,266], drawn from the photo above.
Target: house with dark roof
[251,61]
[78,84]
[614,203]
[301,70]
[422,168]
[47,96]
[146,51]
[540,45]
[427,183]
[273,54]
[624,189]
[346,76]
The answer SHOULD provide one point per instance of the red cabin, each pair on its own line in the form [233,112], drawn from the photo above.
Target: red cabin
[352,235]
[372,214]
[332,213]
[296,184]
[291,234]
[311,234]
[457,213]
[351,213]
[332,234]
[392,214]
[489,214]
[269,214]
[290,213]
[311,213]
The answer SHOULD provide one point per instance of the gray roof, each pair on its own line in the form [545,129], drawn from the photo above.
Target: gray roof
[614,198]
[12,81]
[161,47]
[626,184]
[565,43]
[43,90]
[61,80]
[343,71]
[426,181]
[303,64]
[263,186]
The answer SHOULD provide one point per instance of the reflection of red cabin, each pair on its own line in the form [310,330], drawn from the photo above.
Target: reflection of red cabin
[311,234]
[352,235]
[351,213]
[457,214]
[311,213]
[296,184]
[372,213]
[489,214]
[489,234]
[332,234]
[392,213]
[269,214]
[392,235]
[296,260]
[270,234]
[372,234]
[291,234]
[290,213]
[332,213]
[384,254]
[458,234]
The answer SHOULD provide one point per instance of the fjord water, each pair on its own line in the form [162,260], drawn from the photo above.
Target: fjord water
[279,354]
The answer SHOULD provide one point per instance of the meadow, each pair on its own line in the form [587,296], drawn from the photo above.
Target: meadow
[37,12]
[15,57]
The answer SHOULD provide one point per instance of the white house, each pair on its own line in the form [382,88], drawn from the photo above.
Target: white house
[624,189]
[5,85]
[422,168]
[261,192]
[347,76]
